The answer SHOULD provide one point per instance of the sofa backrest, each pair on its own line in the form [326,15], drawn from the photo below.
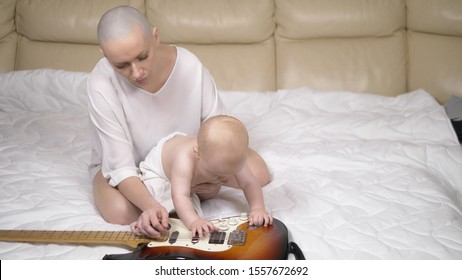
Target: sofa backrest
[379,46]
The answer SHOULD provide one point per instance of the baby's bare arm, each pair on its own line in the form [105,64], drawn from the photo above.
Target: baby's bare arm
[181,178]
[185,210]
[254,195]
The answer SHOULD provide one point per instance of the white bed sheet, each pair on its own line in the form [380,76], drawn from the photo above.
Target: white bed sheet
[355,176]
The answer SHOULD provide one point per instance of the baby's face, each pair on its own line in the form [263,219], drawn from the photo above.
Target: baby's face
[217,169]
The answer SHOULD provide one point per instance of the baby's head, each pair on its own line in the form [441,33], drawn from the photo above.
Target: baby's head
[223,143]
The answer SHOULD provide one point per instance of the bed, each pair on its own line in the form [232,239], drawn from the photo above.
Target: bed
[365,161]
[355,176]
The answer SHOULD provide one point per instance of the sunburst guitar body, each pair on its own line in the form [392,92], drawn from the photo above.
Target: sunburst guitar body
[236,240]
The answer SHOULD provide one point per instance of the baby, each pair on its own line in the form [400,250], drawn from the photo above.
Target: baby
[217,156]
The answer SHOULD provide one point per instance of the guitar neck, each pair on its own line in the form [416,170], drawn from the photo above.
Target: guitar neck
[80,237]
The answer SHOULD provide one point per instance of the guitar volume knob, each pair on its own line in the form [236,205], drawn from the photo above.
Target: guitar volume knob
[244,216]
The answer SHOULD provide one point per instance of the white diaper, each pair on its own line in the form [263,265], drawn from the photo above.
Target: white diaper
[155,180]
[152,167]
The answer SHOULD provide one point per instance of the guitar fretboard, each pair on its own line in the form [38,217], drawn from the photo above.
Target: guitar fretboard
[82,237]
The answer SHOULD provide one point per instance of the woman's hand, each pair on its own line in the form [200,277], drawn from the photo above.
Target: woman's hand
[152,222]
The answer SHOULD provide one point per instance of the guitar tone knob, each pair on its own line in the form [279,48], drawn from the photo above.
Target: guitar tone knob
[223,226]
[244,216]
[232,222]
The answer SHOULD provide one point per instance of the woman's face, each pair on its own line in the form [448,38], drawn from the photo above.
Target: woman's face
[133,57]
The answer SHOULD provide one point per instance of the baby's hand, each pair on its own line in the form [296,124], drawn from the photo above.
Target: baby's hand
[260,217]
[202,227]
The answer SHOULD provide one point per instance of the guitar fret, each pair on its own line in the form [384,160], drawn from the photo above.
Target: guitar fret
[100,235]
[127,235]
[118,237]
[46,234]
[66,235]
[78,235]
[108,236]
[25,234]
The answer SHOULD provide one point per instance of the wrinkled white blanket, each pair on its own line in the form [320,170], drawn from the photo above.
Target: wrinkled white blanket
[356,176]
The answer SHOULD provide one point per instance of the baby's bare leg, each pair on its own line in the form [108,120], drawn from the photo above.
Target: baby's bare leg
[256,164]
[258,167]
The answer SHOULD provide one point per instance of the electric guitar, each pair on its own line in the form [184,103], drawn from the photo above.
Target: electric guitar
[236,239]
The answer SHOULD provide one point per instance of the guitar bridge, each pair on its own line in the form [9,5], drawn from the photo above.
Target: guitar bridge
[236,237]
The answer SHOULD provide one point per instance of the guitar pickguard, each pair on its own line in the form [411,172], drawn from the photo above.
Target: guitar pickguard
[223,240]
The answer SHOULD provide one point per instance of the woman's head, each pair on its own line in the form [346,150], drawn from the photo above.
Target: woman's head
[119,22]
[128,41]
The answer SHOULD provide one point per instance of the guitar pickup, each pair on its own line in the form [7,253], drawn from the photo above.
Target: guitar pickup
[173,237]
[237,237]
[217,237]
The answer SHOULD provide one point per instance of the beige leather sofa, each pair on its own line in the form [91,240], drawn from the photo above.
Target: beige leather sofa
[379,46]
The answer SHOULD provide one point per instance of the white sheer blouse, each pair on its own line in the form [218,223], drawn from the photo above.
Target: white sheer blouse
[126,121]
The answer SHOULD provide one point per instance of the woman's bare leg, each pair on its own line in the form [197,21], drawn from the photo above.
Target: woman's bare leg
[113,206]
